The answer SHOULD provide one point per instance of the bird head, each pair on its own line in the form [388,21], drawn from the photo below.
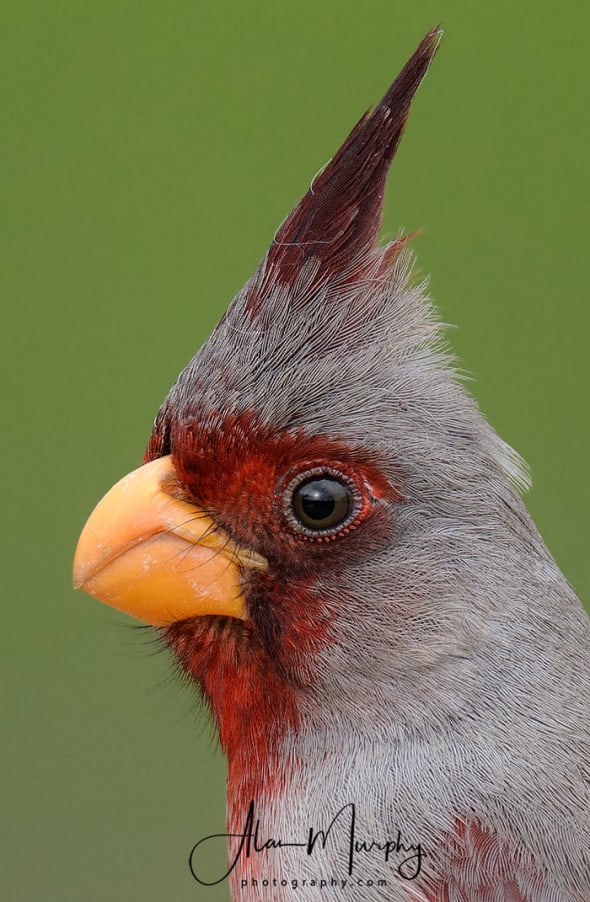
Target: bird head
[311,529]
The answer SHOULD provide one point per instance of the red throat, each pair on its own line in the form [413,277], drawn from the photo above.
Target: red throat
[253,707]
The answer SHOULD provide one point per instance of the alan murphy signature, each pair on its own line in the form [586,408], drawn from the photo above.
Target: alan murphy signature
[341,833]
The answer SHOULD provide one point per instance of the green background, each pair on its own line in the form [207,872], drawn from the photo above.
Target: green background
[150,150]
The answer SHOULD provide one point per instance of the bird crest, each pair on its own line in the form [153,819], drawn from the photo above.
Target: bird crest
[337,221]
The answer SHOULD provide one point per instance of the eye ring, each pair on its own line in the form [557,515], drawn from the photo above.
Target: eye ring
[321,502]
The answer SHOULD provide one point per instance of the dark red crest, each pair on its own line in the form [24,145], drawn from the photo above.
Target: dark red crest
[338,220]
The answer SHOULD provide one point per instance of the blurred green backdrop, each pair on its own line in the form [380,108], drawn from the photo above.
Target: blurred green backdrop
[150,151]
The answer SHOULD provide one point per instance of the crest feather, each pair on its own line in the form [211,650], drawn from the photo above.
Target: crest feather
[338,220]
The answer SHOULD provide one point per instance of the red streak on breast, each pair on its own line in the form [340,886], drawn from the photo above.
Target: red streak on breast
[474,864]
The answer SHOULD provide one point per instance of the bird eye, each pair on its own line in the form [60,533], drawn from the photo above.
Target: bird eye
[320,503]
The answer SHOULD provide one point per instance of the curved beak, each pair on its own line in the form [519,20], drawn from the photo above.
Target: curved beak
[149,553]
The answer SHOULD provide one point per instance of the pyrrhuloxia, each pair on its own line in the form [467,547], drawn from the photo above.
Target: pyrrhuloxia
[329,536]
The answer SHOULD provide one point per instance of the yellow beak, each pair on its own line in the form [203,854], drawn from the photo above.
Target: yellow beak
[159,558]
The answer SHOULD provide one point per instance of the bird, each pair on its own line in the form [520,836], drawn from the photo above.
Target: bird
[331,540]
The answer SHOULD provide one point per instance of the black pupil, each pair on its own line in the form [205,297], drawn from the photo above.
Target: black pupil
[321,503]
[317,500]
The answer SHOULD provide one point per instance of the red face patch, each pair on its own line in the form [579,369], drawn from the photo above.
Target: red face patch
[240,471]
